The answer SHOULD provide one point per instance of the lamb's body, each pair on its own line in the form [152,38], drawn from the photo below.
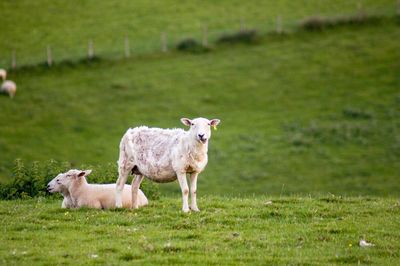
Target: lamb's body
[164,155]
[102,196]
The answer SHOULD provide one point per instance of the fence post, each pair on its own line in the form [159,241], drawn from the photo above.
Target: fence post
[164,46]
[205,36]
[398,8]
[90,49]
[127,48]
[360,10]
[279,24]
[242,24]
[49,56]
[13,60]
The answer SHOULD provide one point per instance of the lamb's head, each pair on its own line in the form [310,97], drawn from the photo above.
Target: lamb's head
[72,177]
[55,185]
[200,128]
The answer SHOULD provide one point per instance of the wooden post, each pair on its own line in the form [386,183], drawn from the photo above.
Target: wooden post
[205,36]
[90,49]
[127,48]
[49,56]
[279,24]
[398,8]
[242,24]
[360,10]
[164,46]
[13,60]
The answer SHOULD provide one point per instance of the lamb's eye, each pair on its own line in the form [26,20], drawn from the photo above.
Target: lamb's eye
[192,124]
[58,180]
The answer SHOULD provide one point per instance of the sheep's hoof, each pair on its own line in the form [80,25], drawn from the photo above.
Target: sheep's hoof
[186,210]
[195,209]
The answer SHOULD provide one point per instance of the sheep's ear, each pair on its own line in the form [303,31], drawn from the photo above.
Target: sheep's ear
[186,121]
[87,172]
[81,174]
[214,122]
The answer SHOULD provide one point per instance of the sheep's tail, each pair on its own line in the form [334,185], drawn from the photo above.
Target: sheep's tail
[124,147]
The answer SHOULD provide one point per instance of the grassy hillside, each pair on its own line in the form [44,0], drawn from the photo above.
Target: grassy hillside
[309,112]
[29,26]
[323,230]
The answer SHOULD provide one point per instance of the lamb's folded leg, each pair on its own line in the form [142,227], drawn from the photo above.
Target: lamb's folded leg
[63,204]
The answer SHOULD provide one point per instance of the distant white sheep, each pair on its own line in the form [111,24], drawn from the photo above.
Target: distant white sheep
[164,155]
[81,194]
[3,74]
[9,87]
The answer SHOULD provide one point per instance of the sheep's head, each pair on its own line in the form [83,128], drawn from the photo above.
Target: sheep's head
[55,184]
[65,180]
[200,128]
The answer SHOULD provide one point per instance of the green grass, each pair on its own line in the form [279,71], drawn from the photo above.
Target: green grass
[291,230]
[29,26]
[287,108]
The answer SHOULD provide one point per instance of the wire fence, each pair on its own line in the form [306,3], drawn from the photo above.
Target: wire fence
[126,46]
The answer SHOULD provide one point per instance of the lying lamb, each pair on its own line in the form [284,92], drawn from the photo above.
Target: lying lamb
[78,193]
[164,155]
[9,87]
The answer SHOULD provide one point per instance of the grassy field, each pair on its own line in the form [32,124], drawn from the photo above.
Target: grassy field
[303,113]
[306,115]
[30,26]
[291,230]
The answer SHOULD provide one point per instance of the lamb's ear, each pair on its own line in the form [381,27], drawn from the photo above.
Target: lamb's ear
[214,122]
[86,172]
[82,173]
[186,121]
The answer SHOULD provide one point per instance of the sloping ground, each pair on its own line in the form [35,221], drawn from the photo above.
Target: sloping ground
[28,27]
[309,113]
[290,230]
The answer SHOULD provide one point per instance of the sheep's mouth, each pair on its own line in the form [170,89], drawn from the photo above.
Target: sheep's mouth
[203,140]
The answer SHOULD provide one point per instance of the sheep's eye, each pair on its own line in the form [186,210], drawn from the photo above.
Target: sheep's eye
[58,180]
[192,124]
[209,124]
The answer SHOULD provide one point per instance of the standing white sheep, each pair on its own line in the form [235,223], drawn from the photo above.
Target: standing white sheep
[3,74]
[164,155]
[81,194]
[9,87]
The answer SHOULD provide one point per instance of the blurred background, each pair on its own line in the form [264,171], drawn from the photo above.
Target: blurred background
[308,91]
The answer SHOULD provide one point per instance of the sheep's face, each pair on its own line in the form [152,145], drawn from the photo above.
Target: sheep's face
[67,179]
[200,128]
[55,184]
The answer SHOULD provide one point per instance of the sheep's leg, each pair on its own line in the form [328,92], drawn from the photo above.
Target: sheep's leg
[123,173]
[185,191]
[135,189]
[193,188]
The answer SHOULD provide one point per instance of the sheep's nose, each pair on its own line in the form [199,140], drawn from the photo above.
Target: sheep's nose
[201,136]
